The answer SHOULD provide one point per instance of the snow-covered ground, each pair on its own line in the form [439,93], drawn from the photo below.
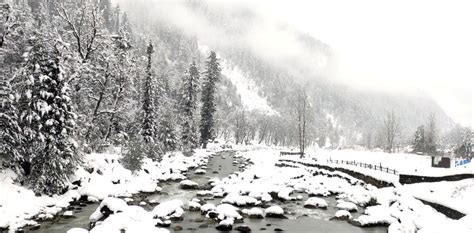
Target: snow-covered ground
[401,162]
[101,176]
[104,178]
[246,88]
[457,195]
[396,207]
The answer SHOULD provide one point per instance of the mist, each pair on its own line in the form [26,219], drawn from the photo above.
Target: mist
[369,53]
[246,27]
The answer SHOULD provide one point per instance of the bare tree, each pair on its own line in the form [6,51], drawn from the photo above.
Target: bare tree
[84,24]
[431,135]
[391,130]
[300,108]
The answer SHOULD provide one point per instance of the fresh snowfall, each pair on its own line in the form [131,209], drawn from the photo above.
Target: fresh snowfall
[222,116]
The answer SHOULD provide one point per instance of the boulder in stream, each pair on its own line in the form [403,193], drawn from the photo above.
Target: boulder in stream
[316,202]
[188,184]
[275,212]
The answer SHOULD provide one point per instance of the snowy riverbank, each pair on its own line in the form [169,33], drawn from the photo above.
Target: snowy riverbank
[261,190]
[101,176]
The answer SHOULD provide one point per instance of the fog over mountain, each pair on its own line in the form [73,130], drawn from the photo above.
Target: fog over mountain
[271,51]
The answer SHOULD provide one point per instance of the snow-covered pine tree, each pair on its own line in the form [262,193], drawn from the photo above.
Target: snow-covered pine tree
[11,137]
[188,105]
[211,77]
[419,140]
[48,118]
[166,130]
[148,108]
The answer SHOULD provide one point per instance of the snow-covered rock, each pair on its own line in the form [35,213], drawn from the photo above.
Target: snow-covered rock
[318,192]
[134,219]
[207,207]
[284,193]
[172,208]
[375,216]
[254,213]
[345,205]
[108,206]
[226,211]
[237,199]
[204,193]
[274,212]
[342,215]
[225,225]
[77,230]
[68,214]
[188,184]
[200,172]
[194,206]
[316,202]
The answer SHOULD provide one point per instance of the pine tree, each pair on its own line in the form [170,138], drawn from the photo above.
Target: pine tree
[148,108]
[211,77]
[419,140]
[166,129]
[11,138]
[48,119]
[188,103]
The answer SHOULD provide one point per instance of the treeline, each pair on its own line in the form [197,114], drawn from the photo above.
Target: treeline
[76,78]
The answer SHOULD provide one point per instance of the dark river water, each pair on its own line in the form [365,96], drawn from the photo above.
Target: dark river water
[300,218]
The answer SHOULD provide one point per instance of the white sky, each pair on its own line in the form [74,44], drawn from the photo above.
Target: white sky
[425,46]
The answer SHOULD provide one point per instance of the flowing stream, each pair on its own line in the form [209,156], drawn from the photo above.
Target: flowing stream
[221,165]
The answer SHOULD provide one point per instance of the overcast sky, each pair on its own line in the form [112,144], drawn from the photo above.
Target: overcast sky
[424,46]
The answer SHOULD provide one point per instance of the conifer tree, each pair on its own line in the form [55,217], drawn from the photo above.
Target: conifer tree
[11,138]
[189,92]
[211,77]
[419,140]
[148,108]
[48,119]
[166,129]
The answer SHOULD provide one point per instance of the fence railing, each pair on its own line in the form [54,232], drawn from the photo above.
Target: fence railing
[377,167]
[289,153]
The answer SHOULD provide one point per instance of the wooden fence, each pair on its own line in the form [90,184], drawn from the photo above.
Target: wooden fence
[377,167]
[290,153]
